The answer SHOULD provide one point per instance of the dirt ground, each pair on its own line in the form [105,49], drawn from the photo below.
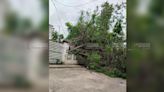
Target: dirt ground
[83,80]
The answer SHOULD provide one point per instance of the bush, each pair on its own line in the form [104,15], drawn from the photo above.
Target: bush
[116,67]
[94,60]
[119,62]
[110,72]
[94,57]
[117,73]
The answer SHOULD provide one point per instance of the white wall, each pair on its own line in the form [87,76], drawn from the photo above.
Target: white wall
[68,58]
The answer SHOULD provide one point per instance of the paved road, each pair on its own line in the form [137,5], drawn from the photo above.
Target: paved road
[79,79]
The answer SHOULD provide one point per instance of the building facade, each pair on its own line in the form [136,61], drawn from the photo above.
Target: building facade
[58,53]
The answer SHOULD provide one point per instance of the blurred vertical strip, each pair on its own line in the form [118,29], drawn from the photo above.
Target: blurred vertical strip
[145,45]
[24,45]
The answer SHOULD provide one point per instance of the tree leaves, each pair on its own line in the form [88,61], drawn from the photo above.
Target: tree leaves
[57,37]
[93,28]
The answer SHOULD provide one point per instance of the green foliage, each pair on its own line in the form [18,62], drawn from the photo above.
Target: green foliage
[105,15]
[54,36]
[94,59]
[117,28]
[116,73]
[94,28]
[57,37]
[61,37]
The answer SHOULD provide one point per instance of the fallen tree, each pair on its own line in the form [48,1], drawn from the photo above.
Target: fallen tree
[93,44]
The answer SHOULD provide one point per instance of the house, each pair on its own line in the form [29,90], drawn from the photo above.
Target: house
[67,57]
[58,53]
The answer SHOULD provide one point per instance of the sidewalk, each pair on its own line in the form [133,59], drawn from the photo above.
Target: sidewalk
[74,78]
[64,66]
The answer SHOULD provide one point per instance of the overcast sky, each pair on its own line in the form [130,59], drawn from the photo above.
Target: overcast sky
[63,11]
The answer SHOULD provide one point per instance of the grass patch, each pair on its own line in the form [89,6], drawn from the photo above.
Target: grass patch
[109,72]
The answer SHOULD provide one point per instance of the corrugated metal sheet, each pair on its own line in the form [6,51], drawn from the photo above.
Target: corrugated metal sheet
[55,52]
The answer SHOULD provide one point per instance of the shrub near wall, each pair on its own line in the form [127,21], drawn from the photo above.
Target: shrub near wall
[114,68]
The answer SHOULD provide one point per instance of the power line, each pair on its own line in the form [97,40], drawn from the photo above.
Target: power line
[75,5]
[53,1]
[58,17]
